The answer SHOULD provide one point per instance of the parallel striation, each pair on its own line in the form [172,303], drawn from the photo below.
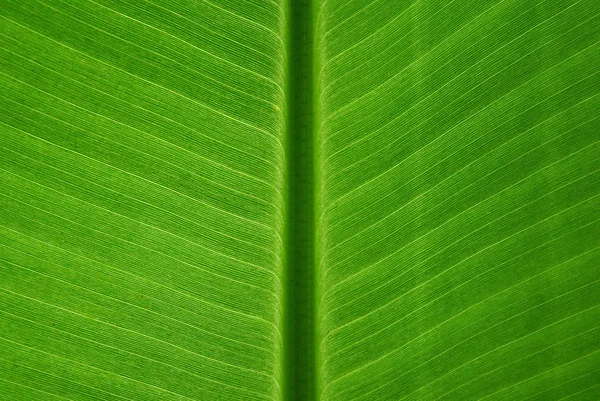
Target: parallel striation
[141,192]
[459,200]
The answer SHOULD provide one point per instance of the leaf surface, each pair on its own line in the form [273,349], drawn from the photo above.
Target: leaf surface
[460,185]
[231,199]
[141,218]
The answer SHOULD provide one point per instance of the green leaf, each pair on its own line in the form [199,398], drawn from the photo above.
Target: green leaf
[142,169]
[460,183]
[299,200]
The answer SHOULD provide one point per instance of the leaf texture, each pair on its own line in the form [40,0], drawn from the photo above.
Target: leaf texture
[156,216]
[141,188]
[459,200]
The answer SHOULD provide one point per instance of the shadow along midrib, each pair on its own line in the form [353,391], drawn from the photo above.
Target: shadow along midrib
[299,367]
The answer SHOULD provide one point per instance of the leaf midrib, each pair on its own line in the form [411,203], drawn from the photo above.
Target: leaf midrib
[299,324]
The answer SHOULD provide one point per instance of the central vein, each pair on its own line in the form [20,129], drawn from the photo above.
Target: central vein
[299,376]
